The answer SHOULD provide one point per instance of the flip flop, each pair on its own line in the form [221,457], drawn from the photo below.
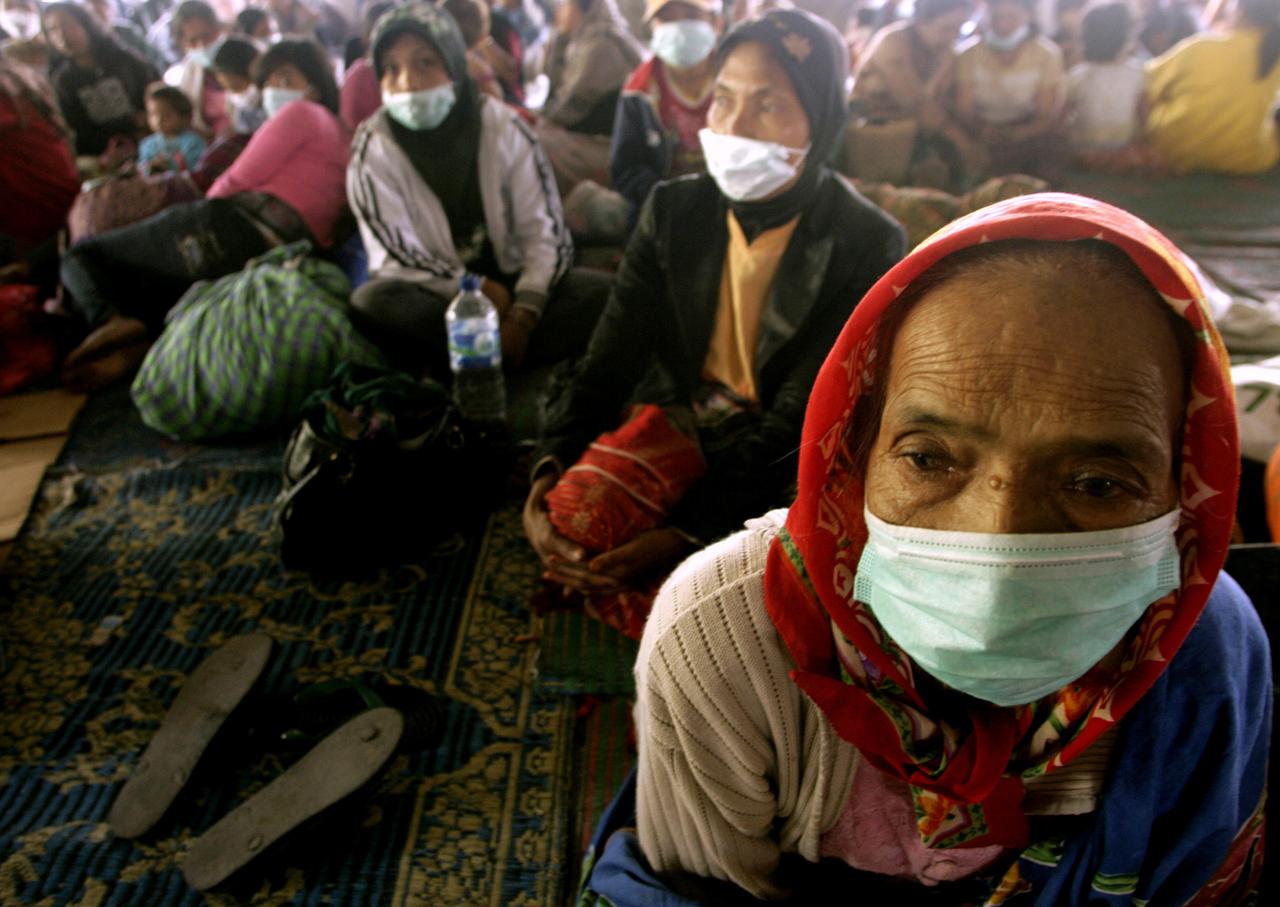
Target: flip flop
[202,705]
[337,766]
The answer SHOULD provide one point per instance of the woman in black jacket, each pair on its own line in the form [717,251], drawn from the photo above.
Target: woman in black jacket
[99,83]
[734,286]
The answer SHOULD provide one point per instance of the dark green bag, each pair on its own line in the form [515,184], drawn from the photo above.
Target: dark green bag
[381,470]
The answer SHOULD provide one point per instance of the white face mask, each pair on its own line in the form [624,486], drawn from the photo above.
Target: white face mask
[245,109]
[1007,42]
[748,170]
[273,99]
[684,43]
[20,23]
[1009,618]
[420,110]
[204,55]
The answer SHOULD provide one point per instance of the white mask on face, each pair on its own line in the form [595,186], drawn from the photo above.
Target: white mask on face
[1007,42]
[245,110]
[748,170]
[273,99]
[204,55]
[20,23]
[1009,618]
[684,43]
[420,110]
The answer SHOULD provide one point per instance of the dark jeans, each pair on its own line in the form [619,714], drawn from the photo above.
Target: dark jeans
[143,269]
[407,321]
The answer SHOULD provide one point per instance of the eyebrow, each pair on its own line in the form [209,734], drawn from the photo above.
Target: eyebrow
[758,93]
[1125,447]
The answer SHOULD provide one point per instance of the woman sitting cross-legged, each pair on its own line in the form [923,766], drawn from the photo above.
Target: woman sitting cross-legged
[989,655]
[286,185]
[733,288]
[444,180]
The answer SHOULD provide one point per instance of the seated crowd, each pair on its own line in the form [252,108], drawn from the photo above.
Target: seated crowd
[989,650]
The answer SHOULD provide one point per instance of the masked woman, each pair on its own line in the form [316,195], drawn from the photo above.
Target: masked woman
[1005,93]
[733,288]
[444,181]
[286,185]
[988,655]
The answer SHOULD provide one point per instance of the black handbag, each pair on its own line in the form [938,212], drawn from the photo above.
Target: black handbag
[382,469]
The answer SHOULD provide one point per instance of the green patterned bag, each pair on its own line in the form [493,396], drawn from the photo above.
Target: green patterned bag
[240,354]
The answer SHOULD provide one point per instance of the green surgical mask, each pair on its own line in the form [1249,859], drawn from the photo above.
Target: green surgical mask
[1009,618]
[420,110]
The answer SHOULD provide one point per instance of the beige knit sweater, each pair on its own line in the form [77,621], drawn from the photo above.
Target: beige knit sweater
[736,764]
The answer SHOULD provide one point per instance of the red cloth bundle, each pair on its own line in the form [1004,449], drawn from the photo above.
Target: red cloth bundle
[625,483]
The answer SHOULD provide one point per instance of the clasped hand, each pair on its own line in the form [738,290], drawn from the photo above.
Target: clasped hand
[568,563]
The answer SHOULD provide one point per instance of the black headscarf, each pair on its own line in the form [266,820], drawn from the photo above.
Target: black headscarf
[445,157]
[817,62]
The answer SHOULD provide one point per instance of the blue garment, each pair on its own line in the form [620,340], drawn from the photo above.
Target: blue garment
[188,144]
[1188,776]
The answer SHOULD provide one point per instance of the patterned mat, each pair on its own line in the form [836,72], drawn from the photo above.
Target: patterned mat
[582,656]
[126,577]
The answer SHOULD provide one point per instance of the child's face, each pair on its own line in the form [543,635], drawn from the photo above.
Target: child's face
[164,119]
[232,82]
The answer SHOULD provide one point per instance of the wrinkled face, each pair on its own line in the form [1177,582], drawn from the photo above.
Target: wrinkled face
[198,33]
[754,99]
[410,63]
[943,31]
[67,36]
[164,119]
[290,77]
[1055,411]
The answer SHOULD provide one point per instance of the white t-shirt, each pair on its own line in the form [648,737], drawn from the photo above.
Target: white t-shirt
[1103,101]
[1006,94]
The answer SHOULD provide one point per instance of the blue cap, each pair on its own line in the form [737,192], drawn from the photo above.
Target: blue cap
[470,283]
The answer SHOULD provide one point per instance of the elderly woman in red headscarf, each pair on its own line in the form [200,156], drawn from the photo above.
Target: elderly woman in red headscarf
[989,654]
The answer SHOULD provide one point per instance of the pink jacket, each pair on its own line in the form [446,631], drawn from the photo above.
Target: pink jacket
[361,94]
[300,157]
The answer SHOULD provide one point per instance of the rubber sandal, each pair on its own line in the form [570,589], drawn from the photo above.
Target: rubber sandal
[337,766]
[202,705]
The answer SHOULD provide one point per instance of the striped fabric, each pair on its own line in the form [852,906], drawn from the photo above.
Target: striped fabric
[242,353]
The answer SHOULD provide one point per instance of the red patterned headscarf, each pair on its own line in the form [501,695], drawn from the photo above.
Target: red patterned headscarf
[967,775]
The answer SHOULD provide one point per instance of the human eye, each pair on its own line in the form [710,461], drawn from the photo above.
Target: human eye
[1103,487]
[925,460]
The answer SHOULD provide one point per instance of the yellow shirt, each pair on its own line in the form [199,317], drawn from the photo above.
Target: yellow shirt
[1208,108]
[749,269]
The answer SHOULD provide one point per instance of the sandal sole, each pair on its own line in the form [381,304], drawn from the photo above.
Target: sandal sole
[337,766]
[202,705]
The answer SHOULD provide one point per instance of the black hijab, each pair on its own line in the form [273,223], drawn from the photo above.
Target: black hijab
[816,60]
[445,157]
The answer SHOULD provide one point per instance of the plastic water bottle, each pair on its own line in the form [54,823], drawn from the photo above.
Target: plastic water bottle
[475,354]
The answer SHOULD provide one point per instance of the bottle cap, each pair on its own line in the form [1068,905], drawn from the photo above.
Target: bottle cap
[470,283]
